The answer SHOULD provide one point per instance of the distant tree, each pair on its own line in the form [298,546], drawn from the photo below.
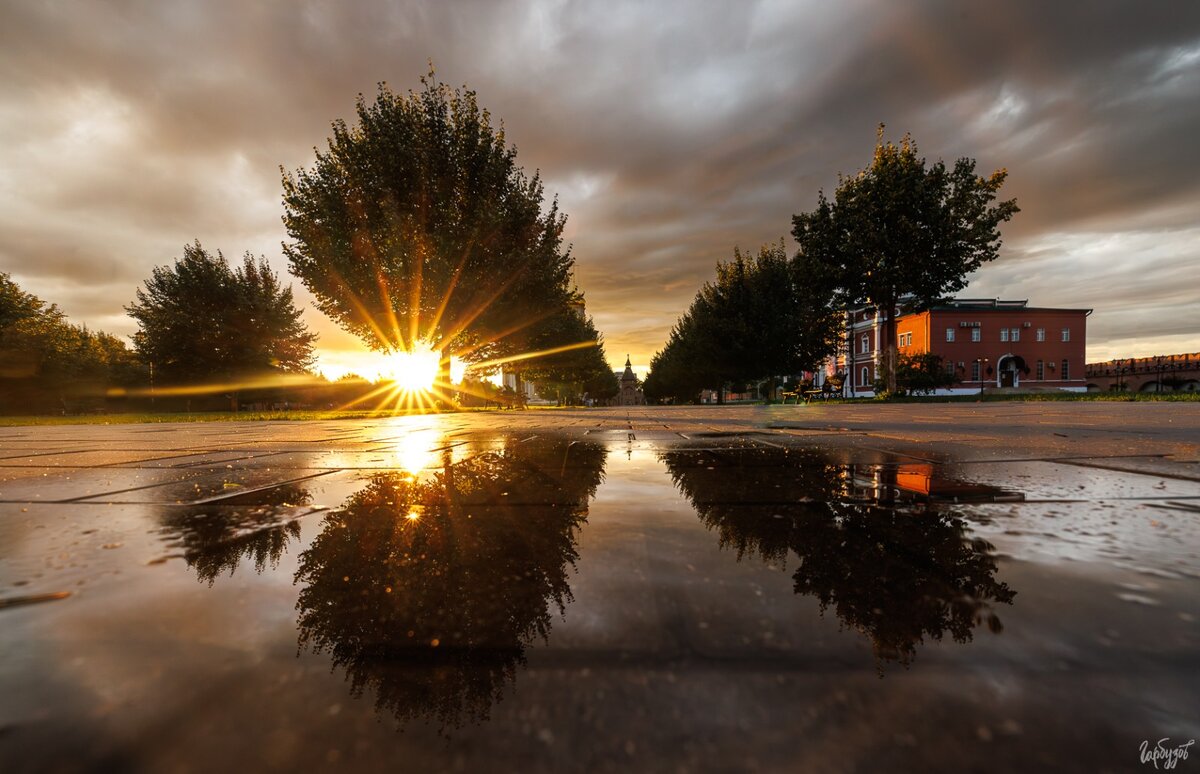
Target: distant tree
[201,320]
[902,228]
[682,368]
[765,316]
[922,374]
[46,363]
[417,225]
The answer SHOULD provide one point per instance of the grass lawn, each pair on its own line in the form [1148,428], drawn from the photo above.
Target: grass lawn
[222,416]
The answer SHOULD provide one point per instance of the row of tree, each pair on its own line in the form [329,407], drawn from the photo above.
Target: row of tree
[47,363]
[416,228]
[762,317]
[901,235]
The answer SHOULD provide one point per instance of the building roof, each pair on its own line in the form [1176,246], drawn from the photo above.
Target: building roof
[996,304]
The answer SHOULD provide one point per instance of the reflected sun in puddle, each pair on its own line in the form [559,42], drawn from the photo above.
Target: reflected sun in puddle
[415,450]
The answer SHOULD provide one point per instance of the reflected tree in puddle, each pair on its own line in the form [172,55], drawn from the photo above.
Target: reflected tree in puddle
[428,589]
[867,542]
[215,539]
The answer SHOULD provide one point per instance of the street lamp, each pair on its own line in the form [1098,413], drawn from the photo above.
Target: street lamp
[982,361]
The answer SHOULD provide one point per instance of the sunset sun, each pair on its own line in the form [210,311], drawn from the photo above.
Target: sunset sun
[412,371]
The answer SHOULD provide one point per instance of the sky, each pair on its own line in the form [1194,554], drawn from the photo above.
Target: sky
[671,132]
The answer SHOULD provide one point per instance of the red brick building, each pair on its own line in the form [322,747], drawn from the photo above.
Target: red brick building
[984,342]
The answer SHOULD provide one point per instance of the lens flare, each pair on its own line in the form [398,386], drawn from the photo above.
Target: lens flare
[415,370]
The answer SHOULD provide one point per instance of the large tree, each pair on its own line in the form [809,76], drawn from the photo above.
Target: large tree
[202,320]
[904,230]
[417,227]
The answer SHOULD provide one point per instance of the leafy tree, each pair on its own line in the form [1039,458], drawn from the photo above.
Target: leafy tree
[48,363]
[201,320]
[904,229]
[682,368]
[418,225]
[765,315]
[567,375]
[922,374]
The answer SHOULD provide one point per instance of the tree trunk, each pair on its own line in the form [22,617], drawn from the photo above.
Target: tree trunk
[442,385]
[889,348]
[721,395]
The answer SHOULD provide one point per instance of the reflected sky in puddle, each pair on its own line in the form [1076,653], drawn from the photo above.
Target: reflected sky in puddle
[585,595]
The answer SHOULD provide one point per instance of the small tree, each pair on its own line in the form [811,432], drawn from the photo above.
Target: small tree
[903,229]
[201,320]
[922,374]
[417,225]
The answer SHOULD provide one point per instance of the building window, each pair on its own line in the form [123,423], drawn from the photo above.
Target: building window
[1066,370]
[1066,334]
[949,334]
[1041,334]
[950,369]
[1004,334]
[1014,334]
[906,339]
[976,335]
[975,371]
[866,379]
[865,344]
[1041,369]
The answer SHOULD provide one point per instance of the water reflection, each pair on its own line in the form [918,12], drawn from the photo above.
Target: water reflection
[427,590]
[215,539]
[869,541]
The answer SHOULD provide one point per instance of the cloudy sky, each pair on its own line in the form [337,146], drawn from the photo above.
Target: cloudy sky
[671,132]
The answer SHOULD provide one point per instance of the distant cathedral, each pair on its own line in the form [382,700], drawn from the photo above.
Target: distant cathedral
[631,392]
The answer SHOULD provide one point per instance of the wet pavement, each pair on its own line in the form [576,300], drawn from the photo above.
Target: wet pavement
[979,587]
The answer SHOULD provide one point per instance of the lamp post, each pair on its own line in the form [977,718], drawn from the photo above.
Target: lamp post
[982,361]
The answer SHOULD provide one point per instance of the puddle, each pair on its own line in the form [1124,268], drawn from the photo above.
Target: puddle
[589,601]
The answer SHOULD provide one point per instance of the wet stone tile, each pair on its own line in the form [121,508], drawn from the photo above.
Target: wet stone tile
[470,594]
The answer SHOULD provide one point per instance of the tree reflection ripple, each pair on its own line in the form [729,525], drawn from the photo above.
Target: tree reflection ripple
[427,590]
[869,541]
[215,539]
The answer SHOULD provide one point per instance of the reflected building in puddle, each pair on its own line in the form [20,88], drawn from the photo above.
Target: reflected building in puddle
[867,541]
[427,589]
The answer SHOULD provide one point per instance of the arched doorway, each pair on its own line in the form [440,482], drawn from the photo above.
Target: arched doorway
[1009,369]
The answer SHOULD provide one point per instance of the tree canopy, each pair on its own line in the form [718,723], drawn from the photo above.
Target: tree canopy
[765,315]
[201,320]
[417,225]
[572,374]
[902,229]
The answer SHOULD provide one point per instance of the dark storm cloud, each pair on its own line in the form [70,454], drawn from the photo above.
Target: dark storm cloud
[671,132]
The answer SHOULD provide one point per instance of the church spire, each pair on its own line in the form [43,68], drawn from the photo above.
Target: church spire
[628,376]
